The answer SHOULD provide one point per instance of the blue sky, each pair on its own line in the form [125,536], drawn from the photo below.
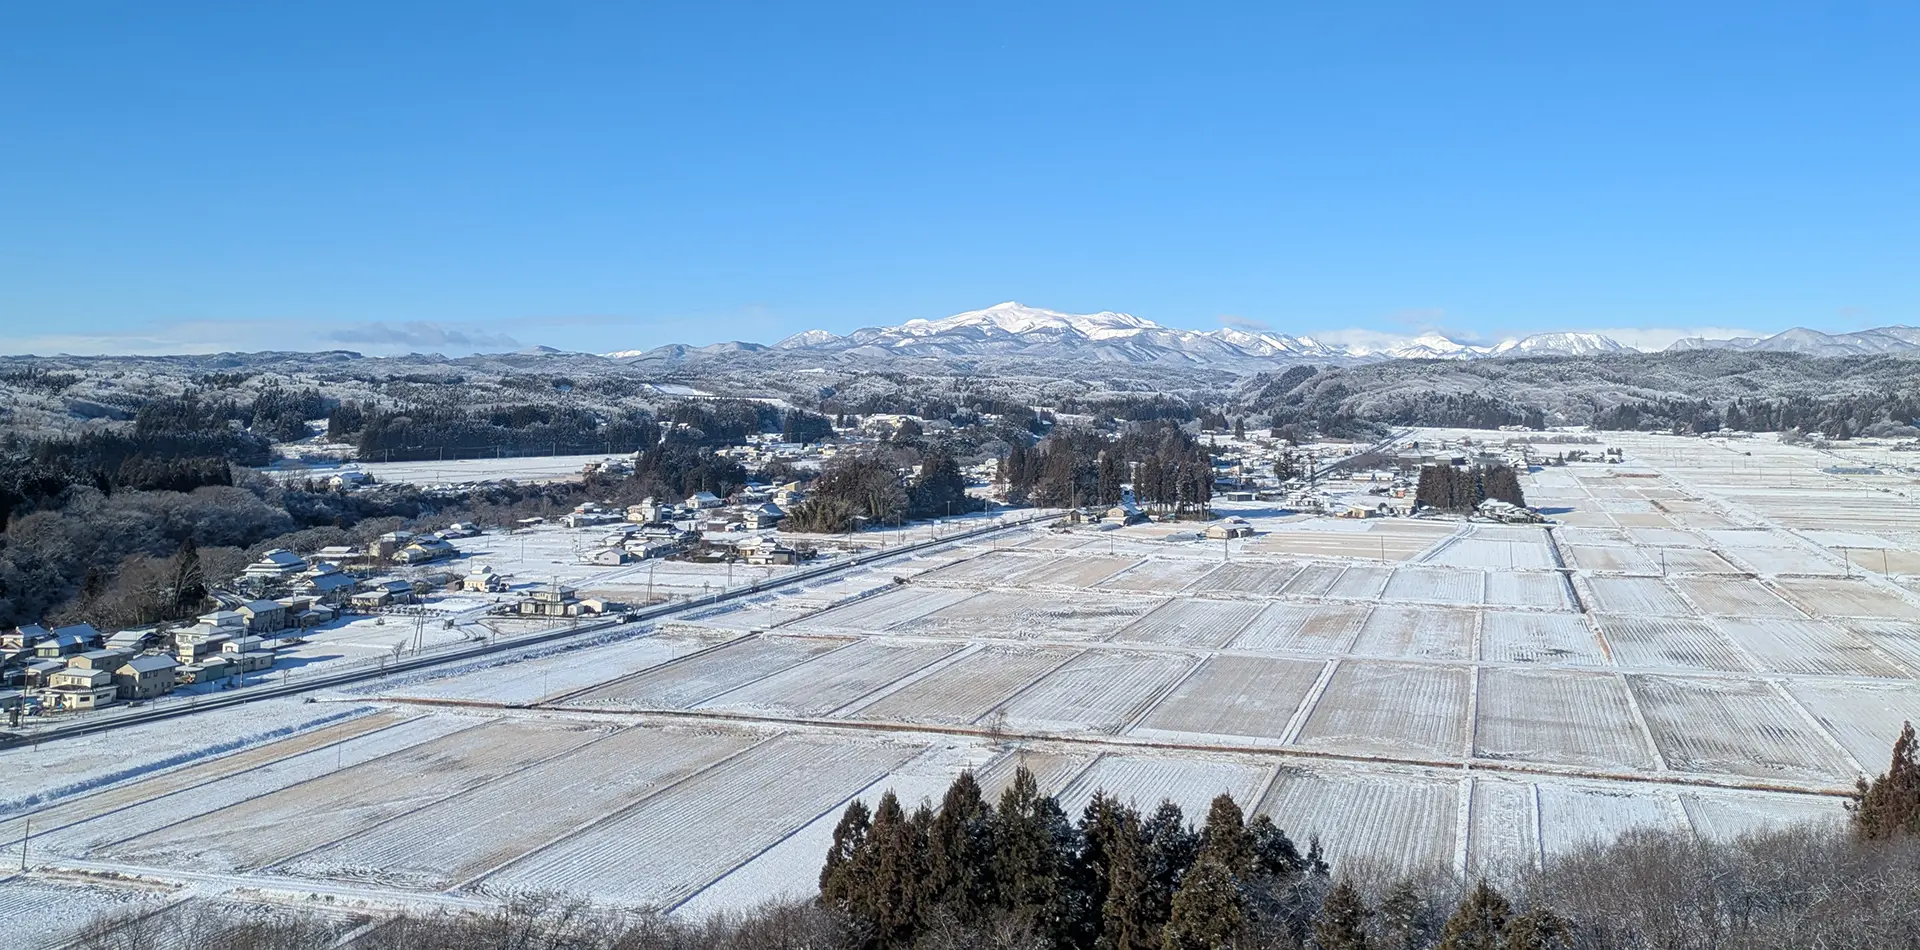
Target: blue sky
[392,176]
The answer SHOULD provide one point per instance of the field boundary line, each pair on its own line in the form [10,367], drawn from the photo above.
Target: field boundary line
[250,797]
[1807,715]
[513,771]
[1660,763]
[802,826]
[878,693]
[1463,826]
[1301,713]
[702,701]
[273,791]
[61,803]
[1159,696]
[598,820]
[570,695]
[1503,766]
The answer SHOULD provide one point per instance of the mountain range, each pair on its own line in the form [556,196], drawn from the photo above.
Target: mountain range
[1015,330]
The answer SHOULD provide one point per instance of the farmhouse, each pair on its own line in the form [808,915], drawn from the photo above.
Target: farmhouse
[276,563]
[145,677]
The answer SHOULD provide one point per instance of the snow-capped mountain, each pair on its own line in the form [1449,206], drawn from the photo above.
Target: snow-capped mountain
[1014,329]
[1879,341]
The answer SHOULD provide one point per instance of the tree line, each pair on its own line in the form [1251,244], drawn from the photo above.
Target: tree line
[1452,488]
[1165,465]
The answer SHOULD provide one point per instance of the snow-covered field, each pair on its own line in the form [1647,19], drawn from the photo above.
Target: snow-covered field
[1705,639]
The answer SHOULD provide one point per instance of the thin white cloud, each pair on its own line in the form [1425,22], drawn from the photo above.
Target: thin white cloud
[200,337]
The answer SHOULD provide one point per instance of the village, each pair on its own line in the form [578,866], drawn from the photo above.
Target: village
[409,591]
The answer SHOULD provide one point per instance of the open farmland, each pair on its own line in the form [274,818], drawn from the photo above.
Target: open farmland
[1686,647]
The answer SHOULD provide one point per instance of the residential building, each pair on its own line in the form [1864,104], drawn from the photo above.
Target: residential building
[81,689]
[425,549]
[483,581]
[144,677]
[276,563]
[103,659]
[702,500]
[606,557]
[264,616]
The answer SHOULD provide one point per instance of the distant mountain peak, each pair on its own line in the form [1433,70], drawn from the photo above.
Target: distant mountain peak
[1011,328]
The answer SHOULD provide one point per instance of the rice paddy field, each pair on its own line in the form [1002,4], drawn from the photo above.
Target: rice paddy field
[1709,636]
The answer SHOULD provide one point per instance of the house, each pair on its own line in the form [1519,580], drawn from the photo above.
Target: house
[211,669]
[1229,528]
[66,641]
[1509,513]
[349,480]
[230,620]
[425,549]
[702,500]
[246,655]
[22,638]
[371,599]
[314,616]
[329,587]
[337,554]
[145,677]
[98,660]
[390,543]
[81,689]
[764,516]
[645,549]
[276,563]
[40,672]
[135,639]
[553,600]
[460,529]
[483,581]
[766,552]
[606,557]
[264,616]
[1125,513]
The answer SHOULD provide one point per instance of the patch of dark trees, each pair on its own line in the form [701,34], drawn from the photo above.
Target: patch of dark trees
[871,489]
[1072,467]
[1456,488]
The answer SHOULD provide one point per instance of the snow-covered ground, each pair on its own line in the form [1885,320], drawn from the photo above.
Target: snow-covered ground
[1715,656]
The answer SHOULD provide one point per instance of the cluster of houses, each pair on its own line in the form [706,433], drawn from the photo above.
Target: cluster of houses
[77,667]
[657,529]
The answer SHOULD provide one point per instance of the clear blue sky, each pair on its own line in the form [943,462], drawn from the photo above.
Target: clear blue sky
[381,175]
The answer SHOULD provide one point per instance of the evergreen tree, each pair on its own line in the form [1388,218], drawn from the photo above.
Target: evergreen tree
[841,886]
[1130,917]
[1537,929]
[1889,806]
[1225,837]
[1171,849]
[960,851]
[1342,924]
[1033,852]
[1405,918]
[1208,911]
[1480,922]
[890,905]
[1099,829]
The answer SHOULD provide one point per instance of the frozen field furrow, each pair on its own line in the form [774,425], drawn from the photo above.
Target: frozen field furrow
[1435,585]
[1258,579]
[1865,718]
[1559,716]
[456,839]
[678,841]
[1527,589]
[1315,580]
[1733,597]
[1480,552]
[1391,709]
[965,690]
[1433,633]
[130,811]
[1574,816]
[1807,646]
[1670,643]
[1303,628]
[1099,691]
[515,680]
[1736,728]
[1726,815]
[881,611]
[1636,597]
[41,915]
[1500,837]
[1075,571]
[691,681]
[1242,699]
[1830,597]
[1146,780]
[283,823]
[1032,615]
[1360,582]
[1190,622]
[825,683]
[990,567]
[1401,820]
[1159,576]
[1546,639]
